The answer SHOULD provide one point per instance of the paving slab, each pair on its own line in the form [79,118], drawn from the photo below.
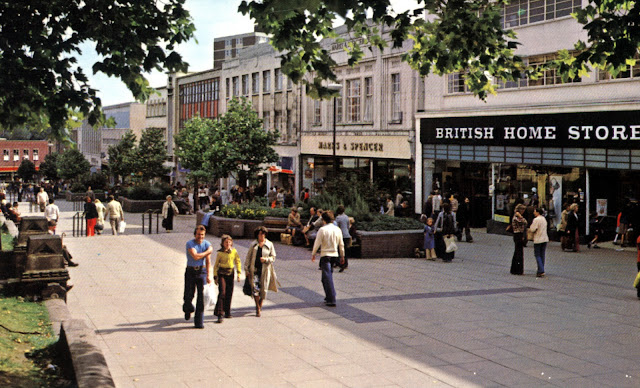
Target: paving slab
[399,322]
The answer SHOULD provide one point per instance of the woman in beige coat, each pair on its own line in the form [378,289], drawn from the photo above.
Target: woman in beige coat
[259,268]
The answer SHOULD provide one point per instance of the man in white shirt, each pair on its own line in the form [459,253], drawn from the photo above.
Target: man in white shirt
[329,242]
[115,214]
[52,212]
[42,199]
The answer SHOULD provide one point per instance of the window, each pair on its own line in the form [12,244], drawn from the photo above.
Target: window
[25,154]
[35,155]
[255,83]
[339,112]
[228,42]
[455,83]
[289,83]
[228,83]
[278,74]
[521,12]
[238,42]
[631,72]
[277,120]
[317,112]
[227,53]
[266,81]
[236,86]
[16,155]
[548,77]
[245,85]
[368,99]
[5,155]
[266,117]
[396,108]
[353,100]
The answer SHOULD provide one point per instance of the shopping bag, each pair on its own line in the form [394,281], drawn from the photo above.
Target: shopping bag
[123,226]
[209,295]
[637,281]
[450,243]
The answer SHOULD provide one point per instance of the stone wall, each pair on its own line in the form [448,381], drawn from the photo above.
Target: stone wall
[393,243]
[141,206]
[220,225]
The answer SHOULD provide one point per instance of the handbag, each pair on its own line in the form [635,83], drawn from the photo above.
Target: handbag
[530,234]
[246,288]
[99,226]
[450,243]
[164,223]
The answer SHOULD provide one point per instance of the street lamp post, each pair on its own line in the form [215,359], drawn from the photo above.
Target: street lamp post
[335,88]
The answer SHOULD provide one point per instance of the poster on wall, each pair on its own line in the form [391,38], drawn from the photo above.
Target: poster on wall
[601,207]
[555,192]
[500,202]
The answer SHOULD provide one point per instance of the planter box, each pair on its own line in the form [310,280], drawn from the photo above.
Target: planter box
[79,197]
[141,206]
[234,227]
[392,243]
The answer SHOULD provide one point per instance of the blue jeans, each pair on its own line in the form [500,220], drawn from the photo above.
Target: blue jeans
[194,280]
[327,279]
[539,252]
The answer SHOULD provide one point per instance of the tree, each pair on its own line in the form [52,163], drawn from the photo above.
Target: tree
[41,39]
[456,36]
[71,164]
[191,146]
[49,167]
[239,143]
[151,154]
[26,170]
[122,156]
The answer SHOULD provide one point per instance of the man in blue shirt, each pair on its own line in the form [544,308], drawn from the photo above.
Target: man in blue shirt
[198,265]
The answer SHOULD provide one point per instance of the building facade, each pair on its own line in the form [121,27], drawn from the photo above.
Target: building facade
[371,121]
[229,47]
[538,141]
[14,151]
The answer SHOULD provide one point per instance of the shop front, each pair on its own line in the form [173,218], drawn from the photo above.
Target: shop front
[385,160]
[547,160]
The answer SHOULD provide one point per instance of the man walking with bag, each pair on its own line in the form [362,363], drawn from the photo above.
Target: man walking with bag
[329,242]
[115,214]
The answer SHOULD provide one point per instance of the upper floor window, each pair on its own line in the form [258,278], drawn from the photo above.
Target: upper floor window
[236,86]
[228,84]
[266,81]
[5,154]
[548,77]
[16,155]
[25,154]
[238,42]
[255,83]
[278,75]
[368,99]
[631,72]
[317,112]
[521,12]
[35,155]
[353,100]
[227,53]
[228,42]
[396,109]
[289,83]
[245,84]
[266,118]
[339,111]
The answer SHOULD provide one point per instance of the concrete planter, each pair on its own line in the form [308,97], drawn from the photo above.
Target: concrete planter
[141,206]
[392,243]
[235,227]
[79,197]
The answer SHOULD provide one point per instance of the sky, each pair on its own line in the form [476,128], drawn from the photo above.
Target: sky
[212,18]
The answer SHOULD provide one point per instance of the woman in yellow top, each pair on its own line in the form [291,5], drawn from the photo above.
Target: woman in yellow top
[226,260]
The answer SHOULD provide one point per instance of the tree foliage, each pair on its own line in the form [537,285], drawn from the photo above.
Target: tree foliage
[191,145]
[49,167]
[26,170]
[455,36]
[239,143]
[122,156]
[40,41]
[151,155]
[72,164]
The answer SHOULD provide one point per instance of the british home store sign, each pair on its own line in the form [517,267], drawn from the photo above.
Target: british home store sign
[617,129]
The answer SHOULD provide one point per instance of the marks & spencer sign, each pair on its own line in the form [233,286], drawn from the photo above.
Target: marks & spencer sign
[617,129]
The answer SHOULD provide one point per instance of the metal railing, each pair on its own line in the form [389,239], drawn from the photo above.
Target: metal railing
[149,213]
[78,206]
[78,224]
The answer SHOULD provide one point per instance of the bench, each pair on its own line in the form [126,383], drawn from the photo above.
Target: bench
[275,225]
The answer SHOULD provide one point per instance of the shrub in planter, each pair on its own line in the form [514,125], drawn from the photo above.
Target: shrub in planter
[146,192]
[243,212]
[383,222]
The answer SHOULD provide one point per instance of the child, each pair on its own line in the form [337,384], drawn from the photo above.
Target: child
[429,240]
[226,260]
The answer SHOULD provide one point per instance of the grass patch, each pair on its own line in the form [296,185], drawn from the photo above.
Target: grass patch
[28,350]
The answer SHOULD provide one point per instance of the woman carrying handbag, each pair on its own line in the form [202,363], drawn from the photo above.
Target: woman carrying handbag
[445,234]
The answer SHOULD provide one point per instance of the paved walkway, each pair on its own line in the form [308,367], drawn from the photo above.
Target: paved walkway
[399,322]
